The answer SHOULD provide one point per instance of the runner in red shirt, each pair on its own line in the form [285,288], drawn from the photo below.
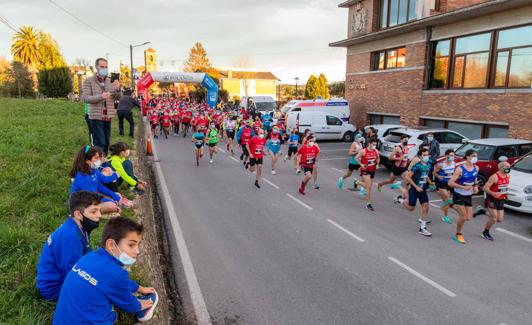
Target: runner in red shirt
[202,124]
[245,133]
[257,125]
[154,121]
[256,148]
[369,160]
[166,123]
[186,118]
[175,120]
[308,156]
[496,190]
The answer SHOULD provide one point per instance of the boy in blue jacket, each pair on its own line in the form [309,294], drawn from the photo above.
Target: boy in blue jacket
[99,282]
[68,243]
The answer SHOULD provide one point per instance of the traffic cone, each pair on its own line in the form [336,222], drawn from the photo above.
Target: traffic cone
[149,148]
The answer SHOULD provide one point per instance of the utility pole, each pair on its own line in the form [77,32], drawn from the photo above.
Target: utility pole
[131,61]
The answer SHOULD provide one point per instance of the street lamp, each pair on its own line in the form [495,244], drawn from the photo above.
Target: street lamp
[296,79]
[279,90]
[131,59]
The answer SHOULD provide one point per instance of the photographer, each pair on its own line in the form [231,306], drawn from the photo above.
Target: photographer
[99,93]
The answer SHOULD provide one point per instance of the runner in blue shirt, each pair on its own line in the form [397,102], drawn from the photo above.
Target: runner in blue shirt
[68,243]
[98,283]
[293,142]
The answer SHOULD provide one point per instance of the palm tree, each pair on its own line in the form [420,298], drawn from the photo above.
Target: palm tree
[25,47]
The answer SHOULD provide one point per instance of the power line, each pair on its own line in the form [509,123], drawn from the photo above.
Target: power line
[8,24]
[84,23]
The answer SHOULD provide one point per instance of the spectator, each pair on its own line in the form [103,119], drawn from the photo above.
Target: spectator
[124,111]
[68,243]
[87,177]
[120,163]
[98,283]
[99,93]
[434,151]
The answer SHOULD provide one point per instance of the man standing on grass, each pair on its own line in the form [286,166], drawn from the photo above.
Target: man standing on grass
[99,93]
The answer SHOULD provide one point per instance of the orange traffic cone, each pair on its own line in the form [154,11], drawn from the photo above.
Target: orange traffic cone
[149,148]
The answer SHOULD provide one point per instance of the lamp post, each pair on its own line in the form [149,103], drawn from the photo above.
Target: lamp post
[279,90]
[296,79]
[131,59]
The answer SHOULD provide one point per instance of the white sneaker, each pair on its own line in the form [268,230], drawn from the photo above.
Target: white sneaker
[274,172]
[425,232]
[210,161]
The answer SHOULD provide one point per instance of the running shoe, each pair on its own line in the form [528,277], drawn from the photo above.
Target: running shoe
[146,314]
[284,158]
[242,157]
[363,191]
[274,172]
[459,239]
[298,171]
[197,163]
[447,220]
[316,186]
[395,185]
[478,211]
[355,184]
[369,207]
[210,161]
[424,232]
[257,184]
[486,235]
[379,187]
[398,199]
[340,182]
[302,191]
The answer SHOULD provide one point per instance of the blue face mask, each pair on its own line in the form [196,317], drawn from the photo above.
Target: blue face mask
[124,258]
[451,158]
[426,158]
[102,72]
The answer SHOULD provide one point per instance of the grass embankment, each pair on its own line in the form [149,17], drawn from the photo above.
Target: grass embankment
[38,141]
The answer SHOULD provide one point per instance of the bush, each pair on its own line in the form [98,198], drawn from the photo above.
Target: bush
[56,82]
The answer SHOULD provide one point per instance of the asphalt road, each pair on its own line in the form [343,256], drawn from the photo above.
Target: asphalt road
[263,257]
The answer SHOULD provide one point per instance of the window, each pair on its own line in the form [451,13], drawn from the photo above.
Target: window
[389,59]
[332,120]
[469,130]
[396,12]
[507,151]
[450,137]
[485,152]
[524,149]
[466,62]
[383,119]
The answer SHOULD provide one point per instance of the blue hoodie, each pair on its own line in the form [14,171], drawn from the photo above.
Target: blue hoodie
[92,182]
[93,286]
[63,248]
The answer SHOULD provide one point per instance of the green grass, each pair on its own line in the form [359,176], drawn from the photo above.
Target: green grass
[38,141]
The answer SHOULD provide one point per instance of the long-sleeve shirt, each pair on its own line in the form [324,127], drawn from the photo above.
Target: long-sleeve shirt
[95,284]
[117,163]
[92,183]
[99,108]
[63,248]
[127,103]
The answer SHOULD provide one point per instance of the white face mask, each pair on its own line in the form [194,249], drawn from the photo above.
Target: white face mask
[474,160]
[261,136]
[311,143]
[97,164]
[124,258]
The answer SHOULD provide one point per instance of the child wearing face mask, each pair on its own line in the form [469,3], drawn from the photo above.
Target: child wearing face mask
[98,281]
[86,176]
[120,163]
[67,244]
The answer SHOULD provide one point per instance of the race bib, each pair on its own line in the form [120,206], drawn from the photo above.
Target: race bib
[503,188]
[371,162]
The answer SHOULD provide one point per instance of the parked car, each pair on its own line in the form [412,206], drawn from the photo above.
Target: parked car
[383,130]
[448,140]
[264,104]
[324,125]
[336,107]
[520,191]
[489,150]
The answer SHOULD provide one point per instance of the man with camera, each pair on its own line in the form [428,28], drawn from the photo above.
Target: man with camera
[100,93]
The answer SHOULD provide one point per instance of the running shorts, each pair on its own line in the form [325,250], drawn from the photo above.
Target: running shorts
[255,161]
[230,134]
[440,185]
[366,172]
[198,145]
[465,200]
[292,151]
[494,203]
[213,144]
[274,150]
[414,196]
[398,171]
[245,150]
[352,167]
[307,169]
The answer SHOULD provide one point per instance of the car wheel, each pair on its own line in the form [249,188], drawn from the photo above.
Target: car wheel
[348,137]
[482,179]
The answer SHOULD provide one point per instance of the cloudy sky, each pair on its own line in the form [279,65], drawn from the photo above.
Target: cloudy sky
[288,37]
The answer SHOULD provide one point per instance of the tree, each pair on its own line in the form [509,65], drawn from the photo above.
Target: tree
[50,56]
[323,90]
[312,87]
[197,59]
[25,46]
[23,84]
[125,74]
[337,89]
[55,82]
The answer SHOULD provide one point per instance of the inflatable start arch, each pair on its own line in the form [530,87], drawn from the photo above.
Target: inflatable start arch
[182,77]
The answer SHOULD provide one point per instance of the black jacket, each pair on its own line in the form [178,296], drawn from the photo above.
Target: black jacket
[127,103]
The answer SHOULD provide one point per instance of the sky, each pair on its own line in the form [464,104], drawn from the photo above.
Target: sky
[287,37]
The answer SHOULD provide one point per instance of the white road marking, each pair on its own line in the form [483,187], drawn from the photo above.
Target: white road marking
[321,150]
[299,201]
[196,296]
[346,231]
[234,159]
[221,150]
[338,170]
[513,234]
[325,159]
[272,184]
[422,277]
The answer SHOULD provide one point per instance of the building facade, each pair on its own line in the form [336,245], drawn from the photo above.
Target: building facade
[461,64]
[245,82]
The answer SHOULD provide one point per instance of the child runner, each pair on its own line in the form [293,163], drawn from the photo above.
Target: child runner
[199,141]
[353,164]
[369,160]
[154,121]
[212,141]
[293,142]
[274,146]
[399,157]
[443,171]
[230,127]
[308,156]
[255,148]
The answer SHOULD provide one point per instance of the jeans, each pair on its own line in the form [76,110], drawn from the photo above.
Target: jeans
[128,167]
[89,127]
[128,115]
[101,134]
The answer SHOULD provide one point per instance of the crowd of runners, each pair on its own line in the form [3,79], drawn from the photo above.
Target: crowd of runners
[254,136]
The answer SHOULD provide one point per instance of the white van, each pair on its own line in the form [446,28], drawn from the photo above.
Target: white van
[324,125]
[265,104]
[336,107]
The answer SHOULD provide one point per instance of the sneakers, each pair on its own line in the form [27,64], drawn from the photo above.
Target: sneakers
[459,239]
[242,157]
[340,182]
[316,186]
[398,199]
[210,161]
[478,211]
[257,184]
[395,185]
[146,314]
[284,158]
[424,232]
[379,187]
[369,207]
[355,184]
[447,220]
[486,235]
[302,188]
[274,172]
[363,191]
[298,171]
